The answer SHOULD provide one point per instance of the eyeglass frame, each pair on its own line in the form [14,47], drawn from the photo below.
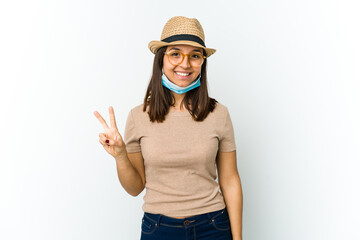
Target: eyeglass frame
[183,57]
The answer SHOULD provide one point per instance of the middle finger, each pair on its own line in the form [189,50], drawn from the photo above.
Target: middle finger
[112,117]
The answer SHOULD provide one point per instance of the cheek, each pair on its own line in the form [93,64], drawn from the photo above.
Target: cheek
[167,66]
[196,73]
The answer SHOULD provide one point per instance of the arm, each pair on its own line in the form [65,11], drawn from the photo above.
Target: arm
[131,172]
[230,185]
[130,167]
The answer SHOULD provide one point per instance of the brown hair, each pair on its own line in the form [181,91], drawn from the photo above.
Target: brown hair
[159,98]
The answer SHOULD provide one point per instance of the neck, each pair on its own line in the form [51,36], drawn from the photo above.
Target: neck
[178,99]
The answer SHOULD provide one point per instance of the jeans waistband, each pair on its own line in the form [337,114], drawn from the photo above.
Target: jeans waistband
[159,219]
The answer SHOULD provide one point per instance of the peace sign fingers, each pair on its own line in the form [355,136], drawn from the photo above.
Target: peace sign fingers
[111,140]
[103,122]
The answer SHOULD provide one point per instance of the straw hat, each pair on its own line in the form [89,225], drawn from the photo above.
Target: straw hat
[182,30]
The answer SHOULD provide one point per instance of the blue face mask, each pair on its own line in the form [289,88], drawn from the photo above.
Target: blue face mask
[180,90]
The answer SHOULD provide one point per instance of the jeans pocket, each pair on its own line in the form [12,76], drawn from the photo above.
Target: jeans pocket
[221,222]
[148,225]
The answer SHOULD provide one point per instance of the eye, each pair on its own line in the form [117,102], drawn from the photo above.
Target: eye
[195,56]
[174,54]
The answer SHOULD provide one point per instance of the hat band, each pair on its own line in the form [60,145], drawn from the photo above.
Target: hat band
[187,37]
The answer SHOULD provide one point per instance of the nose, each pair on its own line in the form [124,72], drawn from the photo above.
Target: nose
[185,63]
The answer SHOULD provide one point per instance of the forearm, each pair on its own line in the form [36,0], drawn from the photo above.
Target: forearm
[234,203]
[128,176]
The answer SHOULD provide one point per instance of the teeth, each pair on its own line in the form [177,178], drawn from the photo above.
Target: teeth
[182,74]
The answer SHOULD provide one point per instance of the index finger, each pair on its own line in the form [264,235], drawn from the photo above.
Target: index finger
[101,120]
[112,117]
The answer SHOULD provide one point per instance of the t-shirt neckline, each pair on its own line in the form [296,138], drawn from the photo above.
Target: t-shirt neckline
[178,113]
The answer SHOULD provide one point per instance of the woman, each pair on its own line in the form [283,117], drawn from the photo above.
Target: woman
[175,141]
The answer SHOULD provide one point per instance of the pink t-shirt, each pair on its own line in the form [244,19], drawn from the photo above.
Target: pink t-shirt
[180,159]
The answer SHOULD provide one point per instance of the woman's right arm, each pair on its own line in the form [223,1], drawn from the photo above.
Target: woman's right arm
[131,172]
[130,166]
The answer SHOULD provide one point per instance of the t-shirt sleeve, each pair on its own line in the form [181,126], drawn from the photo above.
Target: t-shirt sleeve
[131,137]
[227,138]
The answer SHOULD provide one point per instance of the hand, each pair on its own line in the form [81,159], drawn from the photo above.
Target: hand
[115,146]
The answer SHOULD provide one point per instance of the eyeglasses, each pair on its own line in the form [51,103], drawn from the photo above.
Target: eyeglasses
[176,58]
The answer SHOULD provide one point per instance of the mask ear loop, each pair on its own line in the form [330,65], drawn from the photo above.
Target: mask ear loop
[198,77]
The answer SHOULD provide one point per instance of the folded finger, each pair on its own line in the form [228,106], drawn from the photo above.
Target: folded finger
[102,135]
[101,142]
[105,142]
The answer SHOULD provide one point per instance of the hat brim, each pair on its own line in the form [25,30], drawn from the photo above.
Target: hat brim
[155,45]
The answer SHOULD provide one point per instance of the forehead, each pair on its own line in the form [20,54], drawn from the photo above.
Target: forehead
[184,48]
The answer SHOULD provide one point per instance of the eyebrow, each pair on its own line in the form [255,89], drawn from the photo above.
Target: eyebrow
[196,50]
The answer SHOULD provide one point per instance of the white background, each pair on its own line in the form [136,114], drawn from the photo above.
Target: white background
[287,70]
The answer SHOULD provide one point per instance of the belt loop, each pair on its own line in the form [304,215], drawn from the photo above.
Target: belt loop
[157,224]
[209,216]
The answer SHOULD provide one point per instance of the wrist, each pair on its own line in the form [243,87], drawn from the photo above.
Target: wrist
[122,155]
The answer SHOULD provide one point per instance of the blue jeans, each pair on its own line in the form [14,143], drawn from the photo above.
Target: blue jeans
[207,226]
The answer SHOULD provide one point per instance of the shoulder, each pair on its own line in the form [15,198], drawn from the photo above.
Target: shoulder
[220,109]
[220,106]
[137,108]
[137,111]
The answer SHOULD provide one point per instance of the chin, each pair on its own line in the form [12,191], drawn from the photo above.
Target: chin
[182,84]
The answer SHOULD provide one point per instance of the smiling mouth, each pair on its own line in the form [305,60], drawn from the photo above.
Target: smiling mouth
[182,74]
